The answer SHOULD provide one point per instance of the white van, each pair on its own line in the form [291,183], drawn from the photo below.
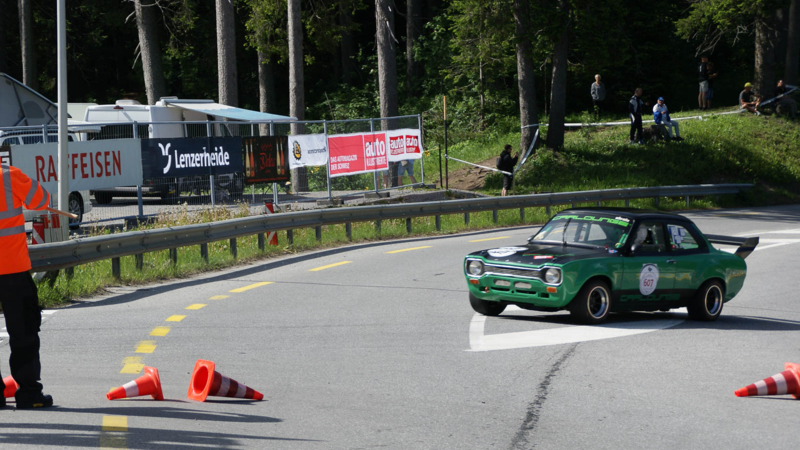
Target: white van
[79,201]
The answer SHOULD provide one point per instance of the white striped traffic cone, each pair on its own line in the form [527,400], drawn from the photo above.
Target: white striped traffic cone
[786,382]
[147,384]
[207,381]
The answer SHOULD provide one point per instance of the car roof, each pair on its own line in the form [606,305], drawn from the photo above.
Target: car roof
[632,213]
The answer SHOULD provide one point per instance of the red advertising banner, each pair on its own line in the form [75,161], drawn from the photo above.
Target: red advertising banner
[352,154]
[404,144]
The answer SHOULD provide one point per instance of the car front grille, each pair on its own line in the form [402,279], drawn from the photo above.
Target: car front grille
[513,272]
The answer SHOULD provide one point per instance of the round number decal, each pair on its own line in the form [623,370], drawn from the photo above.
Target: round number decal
[648,279]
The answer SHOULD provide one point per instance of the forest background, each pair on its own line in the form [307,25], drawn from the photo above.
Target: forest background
[501,63]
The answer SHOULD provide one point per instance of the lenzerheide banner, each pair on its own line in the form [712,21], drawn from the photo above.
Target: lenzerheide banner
[91,165]
[351,154]
[404,144]
[265,159]
[308,150]
[183,157]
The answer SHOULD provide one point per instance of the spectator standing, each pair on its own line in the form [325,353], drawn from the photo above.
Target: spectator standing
[598,94]
[407,167]
[506,163]
[661,117]
[712,75]
[702,76]
[746,99]
[784,100]
[635,107]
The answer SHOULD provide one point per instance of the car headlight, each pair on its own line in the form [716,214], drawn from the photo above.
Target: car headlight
[474,267]
[552,275]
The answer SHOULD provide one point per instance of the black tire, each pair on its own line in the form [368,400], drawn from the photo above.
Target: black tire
[486,308]
[103,198]
[75,203]
[706,305]
[592,304]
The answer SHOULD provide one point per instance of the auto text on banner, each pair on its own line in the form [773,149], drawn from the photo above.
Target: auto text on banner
[404,144]
[265,159]
[351,154]
[92,165]
[182,157]
[308,150]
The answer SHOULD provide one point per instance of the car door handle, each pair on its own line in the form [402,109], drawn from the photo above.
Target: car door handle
[670,261]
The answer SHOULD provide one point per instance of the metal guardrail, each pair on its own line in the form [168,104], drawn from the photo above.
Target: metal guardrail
[66,254]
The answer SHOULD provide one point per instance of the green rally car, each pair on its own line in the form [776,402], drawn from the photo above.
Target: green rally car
[593,261]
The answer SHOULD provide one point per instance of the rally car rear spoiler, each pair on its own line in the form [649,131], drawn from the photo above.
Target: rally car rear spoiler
[746,244]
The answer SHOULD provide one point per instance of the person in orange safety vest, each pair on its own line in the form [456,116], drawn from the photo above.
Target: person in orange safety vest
[20,297]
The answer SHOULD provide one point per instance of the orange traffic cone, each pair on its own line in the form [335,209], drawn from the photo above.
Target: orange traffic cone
[206,381]
[11,386]
[786,382]
[147,384]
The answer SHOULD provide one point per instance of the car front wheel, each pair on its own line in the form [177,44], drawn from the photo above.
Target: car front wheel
[592,304]
[486,308]
[707,302]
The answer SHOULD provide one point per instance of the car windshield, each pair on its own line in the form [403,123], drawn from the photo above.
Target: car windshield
[598,230]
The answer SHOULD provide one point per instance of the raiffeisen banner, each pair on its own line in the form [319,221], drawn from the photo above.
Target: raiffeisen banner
[181,157]
[352,154]
[404,144]
[91,165]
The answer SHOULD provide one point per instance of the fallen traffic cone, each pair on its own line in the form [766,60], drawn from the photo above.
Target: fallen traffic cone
[147,384]
[207,381]
[11,386]
[786,382]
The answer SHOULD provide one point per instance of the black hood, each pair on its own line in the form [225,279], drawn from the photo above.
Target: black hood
[543,253]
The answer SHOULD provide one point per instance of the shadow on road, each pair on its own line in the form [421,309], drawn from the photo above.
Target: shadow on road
[169,412]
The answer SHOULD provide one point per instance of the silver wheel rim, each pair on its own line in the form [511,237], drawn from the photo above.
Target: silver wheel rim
[713,300]
[598,302]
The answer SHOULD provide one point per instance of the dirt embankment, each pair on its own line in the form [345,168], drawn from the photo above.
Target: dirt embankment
[469,178]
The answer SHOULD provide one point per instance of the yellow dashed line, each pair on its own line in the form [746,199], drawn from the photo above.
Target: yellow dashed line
[196,306]
[132,364]
[175,318]
[491,239]
[146,347]
[115,423]
[329,266]
[252,286]
[160,331]
[409,249]
[114,430]
[219,297]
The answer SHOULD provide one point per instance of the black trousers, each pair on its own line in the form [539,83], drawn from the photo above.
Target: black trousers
[20,301]
[636,127]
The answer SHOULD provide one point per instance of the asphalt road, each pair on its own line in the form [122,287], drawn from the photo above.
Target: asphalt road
[360,347]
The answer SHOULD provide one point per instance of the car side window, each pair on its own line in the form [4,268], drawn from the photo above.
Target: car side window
[683,239]
[649,238]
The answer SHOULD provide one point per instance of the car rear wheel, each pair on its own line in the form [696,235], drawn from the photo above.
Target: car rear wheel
[707,302]
[592,304]
[75,207]
[486,308]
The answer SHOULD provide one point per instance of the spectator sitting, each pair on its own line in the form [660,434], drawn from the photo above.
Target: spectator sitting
[406,167]
[598,94]
[785,101]
[661,116]
[746,99]
[506,163]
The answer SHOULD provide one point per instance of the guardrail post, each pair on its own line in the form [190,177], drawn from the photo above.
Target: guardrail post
[408,224]
[466,218]
[173,256]
[656,202]
[494,216]
[204,252]
[115,268]
[348,229]
[547,210]
[687,201]
[378,226]
[318,233]
[438,223]
[627,203]
[290,237]
[139,258]
[69,272]
[234,252]
[522,215]
[599,203]
[261,242]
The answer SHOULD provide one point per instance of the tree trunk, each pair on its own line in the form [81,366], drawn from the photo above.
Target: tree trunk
[28,45]
[413,13]
[793,44]
[558,89]
[764,78]
[226,54]
[387,69]
[297,104]
[525,73]
[346,46]
[266,89]
[150,48]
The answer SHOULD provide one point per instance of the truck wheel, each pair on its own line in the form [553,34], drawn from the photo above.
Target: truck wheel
[75,207]
[103,198]
[485,307]
[592,304]
[707,302]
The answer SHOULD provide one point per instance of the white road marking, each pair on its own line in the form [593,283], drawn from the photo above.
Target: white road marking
[480,342]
